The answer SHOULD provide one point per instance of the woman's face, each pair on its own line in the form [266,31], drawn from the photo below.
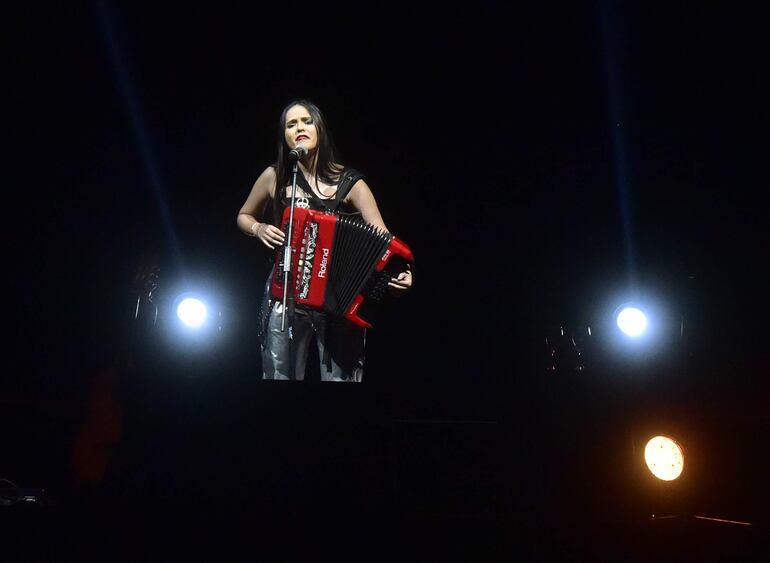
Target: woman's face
[300,128]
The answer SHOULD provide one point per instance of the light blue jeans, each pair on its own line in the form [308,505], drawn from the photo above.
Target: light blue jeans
[343,340]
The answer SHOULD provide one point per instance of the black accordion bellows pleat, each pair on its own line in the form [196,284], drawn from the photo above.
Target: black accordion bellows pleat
[357,248]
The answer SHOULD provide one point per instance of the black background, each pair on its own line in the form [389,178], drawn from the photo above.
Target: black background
[540,159]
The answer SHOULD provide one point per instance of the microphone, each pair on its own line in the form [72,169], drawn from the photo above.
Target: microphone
[297,152]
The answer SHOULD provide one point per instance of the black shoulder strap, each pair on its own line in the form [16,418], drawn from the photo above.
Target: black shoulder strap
[349,178]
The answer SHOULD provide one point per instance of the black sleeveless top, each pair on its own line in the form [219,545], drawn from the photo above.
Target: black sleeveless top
[310,199]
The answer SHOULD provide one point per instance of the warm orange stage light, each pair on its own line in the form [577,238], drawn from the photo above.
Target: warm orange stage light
[664,458]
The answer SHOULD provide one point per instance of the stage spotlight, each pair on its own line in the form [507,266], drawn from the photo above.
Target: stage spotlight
[192,312]
[632,321]
[664,458]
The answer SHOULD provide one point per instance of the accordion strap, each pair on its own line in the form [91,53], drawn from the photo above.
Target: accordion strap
[349,178]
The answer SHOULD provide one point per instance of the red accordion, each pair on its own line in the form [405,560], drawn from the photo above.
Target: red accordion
[340,264]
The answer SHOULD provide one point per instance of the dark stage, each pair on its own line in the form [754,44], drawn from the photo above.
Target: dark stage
[545,162]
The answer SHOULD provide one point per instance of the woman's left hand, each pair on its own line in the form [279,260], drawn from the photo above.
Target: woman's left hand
[402,282]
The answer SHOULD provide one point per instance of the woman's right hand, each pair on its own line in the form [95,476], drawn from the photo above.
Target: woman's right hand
[270,235]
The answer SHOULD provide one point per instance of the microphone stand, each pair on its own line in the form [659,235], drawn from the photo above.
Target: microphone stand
[287,247]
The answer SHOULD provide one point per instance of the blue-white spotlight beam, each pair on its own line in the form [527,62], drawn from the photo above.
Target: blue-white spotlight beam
[194,316]
[632,321]
[192,312]
[637,328]
[123,77]
[613,40]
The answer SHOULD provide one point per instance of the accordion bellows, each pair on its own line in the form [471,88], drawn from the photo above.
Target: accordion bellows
[340,264]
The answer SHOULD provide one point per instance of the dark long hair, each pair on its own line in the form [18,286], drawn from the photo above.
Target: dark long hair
[327,168]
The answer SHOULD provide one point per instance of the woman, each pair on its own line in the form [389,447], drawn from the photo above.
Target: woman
[323,183]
